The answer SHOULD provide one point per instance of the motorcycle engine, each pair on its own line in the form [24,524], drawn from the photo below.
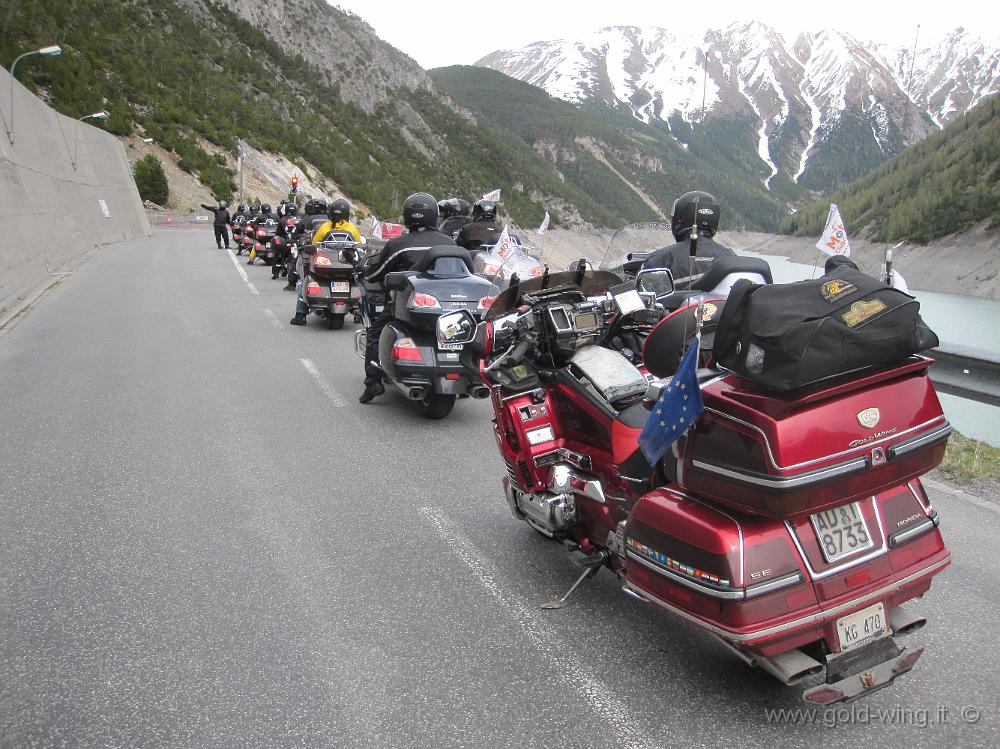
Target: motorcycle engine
[550,514]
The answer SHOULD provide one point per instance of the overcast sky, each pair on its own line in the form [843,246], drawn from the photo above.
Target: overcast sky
[473,30]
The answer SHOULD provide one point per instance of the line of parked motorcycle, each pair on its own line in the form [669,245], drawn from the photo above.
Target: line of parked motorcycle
[791,527]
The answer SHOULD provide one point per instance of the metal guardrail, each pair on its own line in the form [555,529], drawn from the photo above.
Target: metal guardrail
[179,219]
[967,372]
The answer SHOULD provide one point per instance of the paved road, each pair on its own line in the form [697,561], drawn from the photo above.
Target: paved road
[196,550]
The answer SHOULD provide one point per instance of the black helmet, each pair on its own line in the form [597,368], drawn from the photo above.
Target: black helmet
[265,208]
[420,210]
[462,207]
[291,208]
[313,207]
[484,210]
[241,208]
[692,208]
[448,207]
[339,210]
[255,208]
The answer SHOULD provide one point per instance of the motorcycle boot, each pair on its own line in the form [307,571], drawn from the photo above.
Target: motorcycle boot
[372,390]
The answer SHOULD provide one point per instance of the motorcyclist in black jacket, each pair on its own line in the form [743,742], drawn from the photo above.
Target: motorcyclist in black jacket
[221,221]
[483,229]
[690,209]
[265,219]
[454,213]
[420,213]
[239,218]
[286,230]
[314,216]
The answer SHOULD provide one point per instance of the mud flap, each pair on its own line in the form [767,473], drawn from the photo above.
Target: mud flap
[865,681]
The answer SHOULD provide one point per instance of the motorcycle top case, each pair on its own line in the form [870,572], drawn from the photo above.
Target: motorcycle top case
[785,336]
[787,455]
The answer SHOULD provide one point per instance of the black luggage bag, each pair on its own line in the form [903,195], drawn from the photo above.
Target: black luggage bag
[785,336]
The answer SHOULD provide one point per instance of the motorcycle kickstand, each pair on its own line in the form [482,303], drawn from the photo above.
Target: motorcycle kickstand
[558,603]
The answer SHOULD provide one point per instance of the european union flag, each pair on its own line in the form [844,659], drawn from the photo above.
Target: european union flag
[678,406]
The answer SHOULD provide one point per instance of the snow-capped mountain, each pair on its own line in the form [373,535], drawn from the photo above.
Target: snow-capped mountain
[818,110]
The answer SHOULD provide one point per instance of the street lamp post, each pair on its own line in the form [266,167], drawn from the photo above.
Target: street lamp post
[102,115]
[53,49]
[239,164]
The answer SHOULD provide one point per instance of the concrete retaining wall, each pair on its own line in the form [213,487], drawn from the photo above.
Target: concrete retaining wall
[51,181]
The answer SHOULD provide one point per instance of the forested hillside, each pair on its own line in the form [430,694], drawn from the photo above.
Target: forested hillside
[587,147]
[945,184]
[189,79]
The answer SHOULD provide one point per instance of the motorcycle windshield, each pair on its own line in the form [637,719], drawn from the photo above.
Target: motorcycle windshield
[631,244]
[593,283]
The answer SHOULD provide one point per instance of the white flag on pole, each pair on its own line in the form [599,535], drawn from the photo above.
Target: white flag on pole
[545,224]
[834,239]
[377,229]
[505,245]
[492,195]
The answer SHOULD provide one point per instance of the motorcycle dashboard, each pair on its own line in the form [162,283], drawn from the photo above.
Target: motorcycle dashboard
[593,283]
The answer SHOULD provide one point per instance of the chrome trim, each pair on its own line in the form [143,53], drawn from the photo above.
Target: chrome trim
[910,533]
[792,482]
[726,595]
[564,480]
[923,505]
[774,463]
[821,616]
[761,589]
[917,442]
[847,565]
[572,457]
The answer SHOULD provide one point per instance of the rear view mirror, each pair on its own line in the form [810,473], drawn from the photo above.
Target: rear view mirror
[659,281]
[456,328]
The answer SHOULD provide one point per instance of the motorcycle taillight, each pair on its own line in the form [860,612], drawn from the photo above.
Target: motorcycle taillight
[406,350]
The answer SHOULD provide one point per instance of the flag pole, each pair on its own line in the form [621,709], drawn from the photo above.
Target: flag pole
[819,252]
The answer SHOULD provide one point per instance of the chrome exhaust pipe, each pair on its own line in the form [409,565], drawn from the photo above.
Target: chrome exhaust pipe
[360,341]
[632,594]
[747,658]
[480,392]
[904,622]
[413,392]
[791,667]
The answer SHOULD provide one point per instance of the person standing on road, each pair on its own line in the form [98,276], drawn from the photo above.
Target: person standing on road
[222,220]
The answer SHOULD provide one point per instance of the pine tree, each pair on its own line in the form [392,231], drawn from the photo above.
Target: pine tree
[151,179]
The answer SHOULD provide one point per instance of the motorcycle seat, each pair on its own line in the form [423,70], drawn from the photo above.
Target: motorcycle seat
[429,259]
[725,266]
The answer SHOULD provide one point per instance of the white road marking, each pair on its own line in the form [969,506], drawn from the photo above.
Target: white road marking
[243,273]
[274,320]
[538,629]
[323,384]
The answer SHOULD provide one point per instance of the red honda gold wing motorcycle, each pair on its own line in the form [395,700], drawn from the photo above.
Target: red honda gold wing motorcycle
[791,526]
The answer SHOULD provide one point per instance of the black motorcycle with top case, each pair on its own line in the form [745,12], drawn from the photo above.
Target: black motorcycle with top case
[415,352]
